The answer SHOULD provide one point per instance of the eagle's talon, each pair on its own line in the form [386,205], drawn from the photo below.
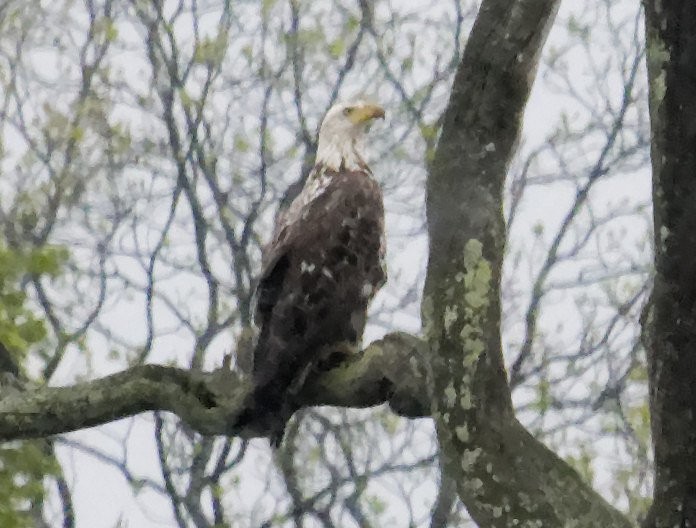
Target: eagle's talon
[331,357]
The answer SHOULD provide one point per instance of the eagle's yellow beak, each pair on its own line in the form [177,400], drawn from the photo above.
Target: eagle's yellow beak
[364,113]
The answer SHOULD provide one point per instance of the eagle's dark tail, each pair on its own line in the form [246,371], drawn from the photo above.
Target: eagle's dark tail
[268,406]
[277,435]
[267,411]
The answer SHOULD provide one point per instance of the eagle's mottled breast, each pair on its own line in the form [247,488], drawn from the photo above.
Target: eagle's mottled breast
[317,183]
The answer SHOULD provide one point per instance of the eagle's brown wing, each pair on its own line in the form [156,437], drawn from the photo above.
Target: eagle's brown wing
[319,273]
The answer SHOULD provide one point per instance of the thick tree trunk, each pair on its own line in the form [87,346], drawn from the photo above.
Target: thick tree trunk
[505,477]
[670,325]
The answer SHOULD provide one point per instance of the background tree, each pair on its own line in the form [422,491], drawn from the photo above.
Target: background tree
[155,141]
[668,322]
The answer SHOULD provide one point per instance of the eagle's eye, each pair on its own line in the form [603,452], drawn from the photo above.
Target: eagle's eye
[348,110]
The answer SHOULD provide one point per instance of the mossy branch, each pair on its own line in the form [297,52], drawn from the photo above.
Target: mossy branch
[211,402]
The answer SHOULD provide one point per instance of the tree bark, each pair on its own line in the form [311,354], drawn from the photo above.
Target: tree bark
[670,325]
[504,476]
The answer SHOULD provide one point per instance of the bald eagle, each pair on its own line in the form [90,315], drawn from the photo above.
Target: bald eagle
[322,267]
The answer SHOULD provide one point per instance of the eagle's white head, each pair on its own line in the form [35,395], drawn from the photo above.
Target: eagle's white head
[342,134]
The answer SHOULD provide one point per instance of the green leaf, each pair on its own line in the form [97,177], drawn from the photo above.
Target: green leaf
[266,6]
[23,467]
[337,48]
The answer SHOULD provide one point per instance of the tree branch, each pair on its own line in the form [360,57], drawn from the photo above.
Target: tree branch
[388,370]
